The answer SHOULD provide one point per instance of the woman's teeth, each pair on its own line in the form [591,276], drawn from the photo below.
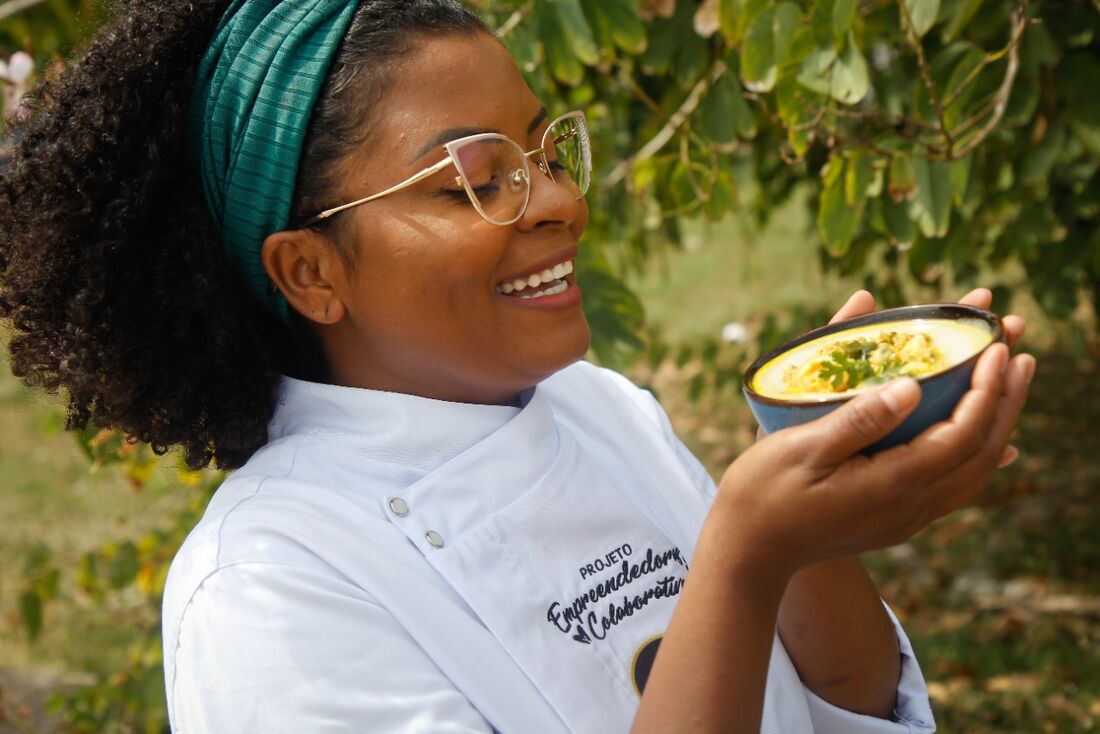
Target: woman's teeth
[534,280]
[559,287]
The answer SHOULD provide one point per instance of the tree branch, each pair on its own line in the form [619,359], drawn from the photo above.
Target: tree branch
[926,74]
[513,20]
[14,6]
[1000,99]
[674,122]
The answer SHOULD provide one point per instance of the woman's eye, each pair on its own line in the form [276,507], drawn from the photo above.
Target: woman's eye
[483,192]
[486,191]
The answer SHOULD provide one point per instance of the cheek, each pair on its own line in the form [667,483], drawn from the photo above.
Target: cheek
[581,222]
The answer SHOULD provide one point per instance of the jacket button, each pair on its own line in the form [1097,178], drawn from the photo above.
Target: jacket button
[399,507]
[434,539]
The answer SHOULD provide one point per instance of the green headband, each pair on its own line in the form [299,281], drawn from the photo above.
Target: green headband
[254,95]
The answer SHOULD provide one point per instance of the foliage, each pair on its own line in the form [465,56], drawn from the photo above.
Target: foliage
[130,699]
[943,138]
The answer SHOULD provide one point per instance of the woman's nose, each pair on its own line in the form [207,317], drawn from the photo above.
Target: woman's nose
[552,200]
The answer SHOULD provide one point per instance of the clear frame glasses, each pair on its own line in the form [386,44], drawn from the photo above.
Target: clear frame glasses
[495,173]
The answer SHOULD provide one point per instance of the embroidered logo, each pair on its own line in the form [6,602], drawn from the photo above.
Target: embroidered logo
[585,624]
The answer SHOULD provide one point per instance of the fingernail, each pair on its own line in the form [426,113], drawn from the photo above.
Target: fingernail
[900,394]
[1029,369]
[1010,455]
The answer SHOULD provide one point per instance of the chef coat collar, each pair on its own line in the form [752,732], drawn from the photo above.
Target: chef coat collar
[412,430]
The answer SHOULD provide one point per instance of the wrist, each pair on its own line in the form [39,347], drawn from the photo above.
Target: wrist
[732,547]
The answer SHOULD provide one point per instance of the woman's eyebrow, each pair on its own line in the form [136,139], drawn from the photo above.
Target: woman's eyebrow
[537,120]
[452,133]
[446,136]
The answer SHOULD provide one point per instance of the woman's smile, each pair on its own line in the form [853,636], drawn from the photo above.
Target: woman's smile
[549,285]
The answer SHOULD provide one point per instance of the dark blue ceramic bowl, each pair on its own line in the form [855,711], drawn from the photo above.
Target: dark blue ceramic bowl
[940,392]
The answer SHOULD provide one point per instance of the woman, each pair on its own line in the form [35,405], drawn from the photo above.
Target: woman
[441,519]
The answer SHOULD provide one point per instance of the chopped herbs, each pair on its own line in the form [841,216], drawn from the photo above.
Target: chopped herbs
[847,365]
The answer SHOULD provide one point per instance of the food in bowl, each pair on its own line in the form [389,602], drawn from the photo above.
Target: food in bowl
[936,344]
[862,357]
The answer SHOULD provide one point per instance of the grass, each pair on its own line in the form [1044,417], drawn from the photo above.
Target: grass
[49,496]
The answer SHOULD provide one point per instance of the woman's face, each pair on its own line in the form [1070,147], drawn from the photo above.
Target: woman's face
[423,313]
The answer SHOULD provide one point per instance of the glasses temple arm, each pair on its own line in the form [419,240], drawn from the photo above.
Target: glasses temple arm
[420,176]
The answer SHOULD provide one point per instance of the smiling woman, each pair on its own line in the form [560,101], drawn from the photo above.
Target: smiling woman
[331,245]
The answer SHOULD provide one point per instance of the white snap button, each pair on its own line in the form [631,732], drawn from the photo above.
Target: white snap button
[399,507]
[434,538]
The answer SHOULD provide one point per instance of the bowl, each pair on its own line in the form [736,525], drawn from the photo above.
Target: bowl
[813,375]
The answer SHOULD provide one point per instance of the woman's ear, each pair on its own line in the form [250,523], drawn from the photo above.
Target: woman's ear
[306,268]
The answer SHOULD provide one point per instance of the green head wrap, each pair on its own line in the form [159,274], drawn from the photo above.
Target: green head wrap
[253,99]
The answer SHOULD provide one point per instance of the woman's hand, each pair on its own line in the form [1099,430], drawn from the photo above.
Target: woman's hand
[805,494]
[831,620]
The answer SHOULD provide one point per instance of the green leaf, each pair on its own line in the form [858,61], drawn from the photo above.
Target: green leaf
[903,178]
[564,64]
[734,17]
[836,220]
[922,14]
[963,73]
[816,70]
[1087,133]
[931,207]
[895,215]
[964,13]
[821,22]
[691,60]
[30,612]
[758,63]
[627,29]
[716,113]
[796,108]
[860,172]
[614,313]
[523,43]
[123,565]
[843,12]
[577,30]
[959,174]
[723,197]
[664,39]
[724,113]
[787,31]
[1040,159]
[850,76]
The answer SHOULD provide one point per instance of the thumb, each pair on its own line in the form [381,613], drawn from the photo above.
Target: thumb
[864,419]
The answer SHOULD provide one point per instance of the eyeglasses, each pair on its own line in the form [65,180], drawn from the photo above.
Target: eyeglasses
[494,172]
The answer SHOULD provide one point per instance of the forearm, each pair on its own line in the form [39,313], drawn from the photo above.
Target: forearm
[840,637]
[711,670]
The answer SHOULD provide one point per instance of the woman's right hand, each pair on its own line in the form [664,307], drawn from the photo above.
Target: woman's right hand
[805,494]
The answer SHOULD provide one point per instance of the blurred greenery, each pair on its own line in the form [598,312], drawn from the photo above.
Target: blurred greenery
[755,162]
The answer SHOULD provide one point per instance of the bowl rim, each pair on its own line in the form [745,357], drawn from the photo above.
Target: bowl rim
[950,311]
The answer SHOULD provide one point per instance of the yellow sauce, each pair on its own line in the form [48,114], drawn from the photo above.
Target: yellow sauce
[857,359]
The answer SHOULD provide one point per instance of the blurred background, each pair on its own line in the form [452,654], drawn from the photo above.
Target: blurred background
[756,162]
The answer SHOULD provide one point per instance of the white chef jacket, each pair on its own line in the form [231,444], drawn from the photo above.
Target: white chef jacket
[393,563]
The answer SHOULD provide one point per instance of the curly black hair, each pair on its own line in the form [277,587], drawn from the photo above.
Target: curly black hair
[112,273]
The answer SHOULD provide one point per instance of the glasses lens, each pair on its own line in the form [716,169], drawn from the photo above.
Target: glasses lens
[568,153]
[495,175]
